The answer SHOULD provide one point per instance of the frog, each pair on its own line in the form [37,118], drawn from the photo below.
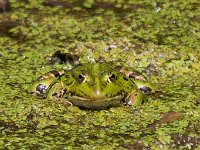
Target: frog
[94,86]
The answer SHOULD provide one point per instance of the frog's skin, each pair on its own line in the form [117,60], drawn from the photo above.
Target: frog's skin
[93,86]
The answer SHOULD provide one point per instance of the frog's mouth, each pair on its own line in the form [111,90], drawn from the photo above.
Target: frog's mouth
[95,103]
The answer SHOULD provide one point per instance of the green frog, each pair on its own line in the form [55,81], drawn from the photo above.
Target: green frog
[94,86]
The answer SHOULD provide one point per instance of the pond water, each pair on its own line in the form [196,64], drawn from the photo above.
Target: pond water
[159,39]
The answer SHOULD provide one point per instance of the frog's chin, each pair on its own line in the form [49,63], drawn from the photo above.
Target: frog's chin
[96,103]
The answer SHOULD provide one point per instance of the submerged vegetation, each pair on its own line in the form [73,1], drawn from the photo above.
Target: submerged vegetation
[159,39]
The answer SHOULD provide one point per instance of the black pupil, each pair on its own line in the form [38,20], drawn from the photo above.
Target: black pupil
[112,77]
[80,77]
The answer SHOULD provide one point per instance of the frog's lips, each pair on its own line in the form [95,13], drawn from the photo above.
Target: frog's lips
[96,102]
[95,99]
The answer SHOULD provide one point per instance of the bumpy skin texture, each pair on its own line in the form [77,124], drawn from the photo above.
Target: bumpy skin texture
[93,86]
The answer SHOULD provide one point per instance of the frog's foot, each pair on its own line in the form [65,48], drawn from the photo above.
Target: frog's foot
[68,102]
[63,100]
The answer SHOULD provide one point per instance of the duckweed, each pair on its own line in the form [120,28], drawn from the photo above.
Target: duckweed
[159,39]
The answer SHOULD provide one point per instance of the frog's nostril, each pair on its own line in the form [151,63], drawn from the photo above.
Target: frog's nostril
[97,92]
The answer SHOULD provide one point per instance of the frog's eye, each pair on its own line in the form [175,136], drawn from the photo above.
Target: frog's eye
[111,78]
[82,78]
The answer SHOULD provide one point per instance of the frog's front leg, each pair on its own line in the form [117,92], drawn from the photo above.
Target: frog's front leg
[134,98]
[56,91]
[59,93]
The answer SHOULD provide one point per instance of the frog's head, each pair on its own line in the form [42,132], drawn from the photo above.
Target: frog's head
[96,86]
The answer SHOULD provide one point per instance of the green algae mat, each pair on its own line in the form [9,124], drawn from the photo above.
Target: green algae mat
[161,39]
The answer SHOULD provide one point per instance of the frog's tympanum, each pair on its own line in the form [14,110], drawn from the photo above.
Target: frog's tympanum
[94,86]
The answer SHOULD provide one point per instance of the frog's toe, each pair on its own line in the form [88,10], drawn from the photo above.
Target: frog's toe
[146,89]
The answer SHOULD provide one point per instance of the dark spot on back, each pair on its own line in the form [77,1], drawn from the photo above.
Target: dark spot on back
[134,74]
[125,78]
[55,73]
[55,95]
[118,67]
